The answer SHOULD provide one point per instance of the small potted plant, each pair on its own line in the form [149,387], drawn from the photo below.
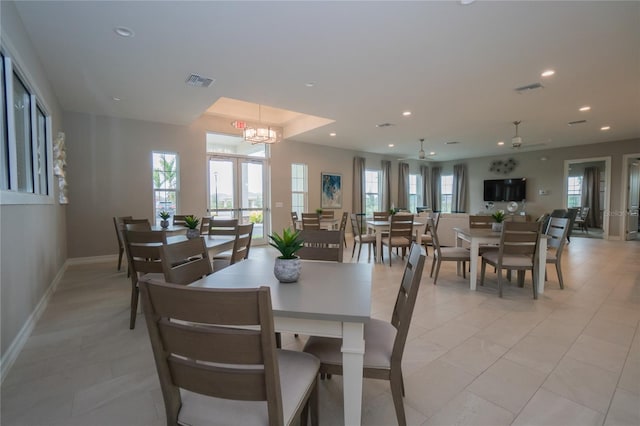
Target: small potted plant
[319,212]
[287,266]
[164,215]
[499,218]
[192,222]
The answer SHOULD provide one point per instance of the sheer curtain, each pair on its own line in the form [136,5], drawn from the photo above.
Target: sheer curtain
[426,188]
[436,192]
[459,195]
[591,195]
[357,201]
[403,185]
[386,185]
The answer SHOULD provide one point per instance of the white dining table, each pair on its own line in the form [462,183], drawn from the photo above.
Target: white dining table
[330,299]
[216,244]
[380,226]
[475,237]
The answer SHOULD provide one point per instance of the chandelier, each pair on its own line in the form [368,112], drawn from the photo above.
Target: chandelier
[261,133]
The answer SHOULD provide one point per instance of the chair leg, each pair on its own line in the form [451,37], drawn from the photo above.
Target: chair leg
[120,253]
[533,282]
[354,249]
[500,282]
[359,249]
[314,405]
[390,253]
[396,392]
[559,271]
[134,306]
[278,340]
[435,279]
[433,265]
[483,269]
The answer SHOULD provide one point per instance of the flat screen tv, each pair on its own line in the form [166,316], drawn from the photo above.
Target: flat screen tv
[505,189]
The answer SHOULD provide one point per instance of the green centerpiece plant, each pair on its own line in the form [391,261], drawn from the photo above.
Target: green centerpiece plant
[499,217]
[192,222]
[164,215]
[287,266]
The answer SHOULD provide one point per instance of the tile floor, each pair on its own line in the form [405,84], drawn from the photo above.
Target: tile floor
[570,358]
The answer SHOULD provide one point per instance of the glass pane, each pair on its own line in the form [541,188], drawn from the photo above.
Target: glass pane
[252,201]
[41,145]
[165,170]
[221,188]
[233,144]
[22,121]
[164,200]
[4,143]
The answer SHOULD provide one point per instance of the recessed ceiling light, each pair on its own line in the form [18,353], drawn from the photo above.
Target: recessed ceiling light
[391,145]
[605,128]
[432,153]
[124,31]
[332,134]
[310,84]
[406,113]
[501,143]
[466,2]
[548,73]
[585,108]
[117,99]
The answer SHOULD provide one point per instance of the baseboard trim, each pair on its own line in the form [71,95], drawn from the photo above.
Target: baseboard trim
[93,259]
[11,355]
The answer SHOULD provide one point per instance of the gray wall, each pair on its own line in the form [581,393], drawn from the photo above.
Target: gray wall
[33,247]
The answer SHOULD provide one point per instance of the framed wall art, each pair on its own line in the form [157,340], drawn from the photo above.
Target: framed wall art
[331,191]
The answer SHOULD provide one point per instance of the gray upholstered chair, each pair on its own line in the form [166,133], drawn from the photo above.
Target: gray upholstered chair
[384,341]
[216,358]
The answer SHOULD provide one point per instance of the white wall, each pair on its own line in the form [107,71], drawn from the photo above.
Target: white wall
[33,247]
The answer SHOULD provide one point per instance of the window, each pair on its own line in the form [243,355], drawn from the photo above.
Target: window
[372,191]
[414,198]
[165,183]
[574,191]
[299,193]
[446,191]
[25,138]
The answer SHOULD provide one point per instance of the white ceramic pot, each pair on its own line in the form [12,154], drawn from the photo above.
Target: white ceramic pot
[287,270]
[193,233]
[496,227]
[164,224]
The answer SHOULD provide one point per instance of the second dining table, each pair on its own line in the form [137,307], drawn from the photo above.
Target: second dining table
[329,299]
[477,236]
[380,226]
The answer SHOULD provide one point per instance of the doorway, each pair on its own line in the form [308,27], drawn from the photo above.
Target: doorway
[575,168]
[631,196]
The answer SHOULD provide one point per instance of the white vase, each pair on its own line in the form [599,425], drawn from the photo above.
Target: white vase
[193,233]
[496,227]
[287,270]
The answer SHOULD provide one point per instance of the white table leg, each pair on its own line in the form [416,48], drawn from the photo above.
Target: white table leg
[473,274]
[542,263]
[352,358]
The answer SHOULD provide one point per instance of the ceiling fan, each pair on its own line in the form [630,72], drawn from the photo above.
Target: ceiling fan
[516,141]
[421,154]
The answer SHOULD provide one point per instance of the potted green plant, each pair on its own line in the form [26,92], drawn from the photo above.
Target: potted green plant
[192,222]
[319,211]
[164,215]
[287,266]
[498,216]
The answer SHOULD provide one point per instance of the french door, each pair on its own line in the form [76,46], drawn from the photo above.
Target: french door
[237,189]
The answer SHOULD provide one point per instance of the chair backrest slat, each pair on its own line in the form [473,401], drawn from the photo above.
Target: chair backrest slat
[381,216]
[355,225]
[519,238]
[242,243]
[557,232]
[310,221]
[223,226]
[480,221]
[322,245]
[131,224]
[327,214]
[401,226]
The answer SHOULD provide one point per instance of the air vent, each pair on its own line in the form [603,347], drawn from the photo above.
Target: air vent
[197,81]
[529,87]
[573,123]
[385,125]
[451,143]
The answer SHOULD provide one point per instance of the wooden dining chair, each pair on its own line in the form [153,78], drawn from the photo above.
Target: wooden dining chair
[179,219]
[381,216]
[360,239]
[343,226]
[143,255]
[223,227]
[186,261]
[400,234]
[426,239]
[517,251]
[204,225]
[320,244]
[118,223]
[327,214]
[240,250]
[556,233]
[384,342]
[217,361]
[445,254]
[310,221]
[582,218]
[480,221]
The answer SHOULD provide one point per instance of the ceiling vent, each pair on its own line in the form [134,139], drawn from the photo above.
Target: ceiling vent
[573,123]
[529,88]
[197,81]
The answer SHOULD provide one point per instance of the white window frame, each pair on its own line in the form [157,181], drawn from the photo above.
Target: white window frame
[574,188]
[175,190]
[305,188]
[446,193]
[378,193]
[415,196]
[39,193]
